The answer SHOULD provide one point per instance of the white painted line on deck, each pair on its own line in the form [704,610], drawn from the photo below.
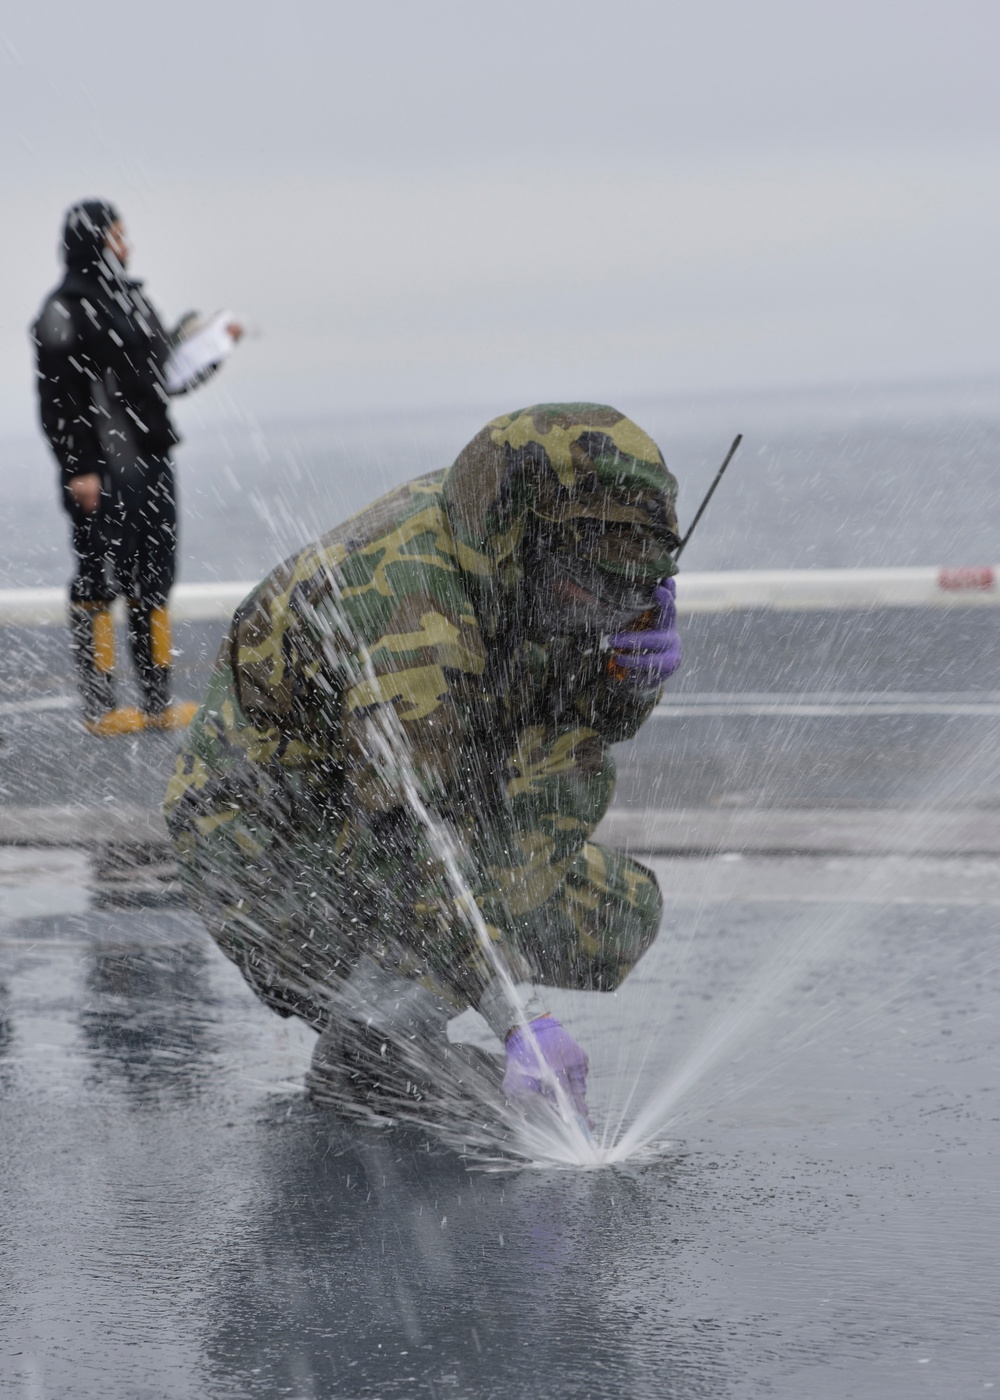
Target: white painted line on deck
[700,706]
[873,880]
[807,704]
[831,697]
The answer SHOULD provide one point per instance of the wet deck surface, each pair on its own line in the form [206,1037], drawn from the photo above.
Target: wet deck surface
[713,752]
[176,1220]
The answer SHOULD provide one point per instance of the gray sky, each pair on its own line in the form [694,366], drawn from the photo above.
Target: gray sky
[446,202]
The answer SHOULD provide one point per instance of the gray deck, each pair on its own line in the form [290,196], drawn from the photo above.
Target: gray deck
[177,1221]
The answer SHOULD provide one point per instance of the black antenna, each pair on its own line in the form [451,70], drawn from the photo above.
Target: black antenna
[708,495]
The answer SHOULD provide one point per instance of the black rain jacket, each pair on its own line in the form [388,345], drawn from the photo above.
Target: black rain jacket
[101,353]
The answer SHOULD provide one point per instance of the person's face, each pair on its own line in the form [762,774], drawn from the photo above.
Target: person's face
[572,597]
[116,242]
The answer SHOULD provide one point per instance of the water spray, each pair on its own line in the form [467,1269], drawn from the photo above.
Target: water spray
[551,1132]
[559,1137]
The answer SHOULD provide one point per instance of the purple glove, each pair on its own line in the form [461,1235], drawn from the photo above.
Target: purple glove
[558,1058]
[651,656]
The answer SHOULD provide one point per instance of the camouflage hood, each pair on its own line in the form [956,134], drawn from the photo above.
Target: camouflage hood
[582,473]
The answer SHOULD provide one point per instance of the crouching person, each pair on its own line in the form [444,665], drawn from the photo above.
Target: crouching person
[384,807]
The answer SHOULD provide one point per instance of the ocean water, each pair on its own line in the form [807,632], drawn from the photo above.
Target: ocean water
[833,478]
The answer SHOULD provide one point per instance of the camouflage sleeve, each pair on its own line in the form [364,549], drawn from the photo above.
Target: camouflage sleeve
[364,649]
[552,790]
[410,702]
[412,663]
[616,707]
[559,781]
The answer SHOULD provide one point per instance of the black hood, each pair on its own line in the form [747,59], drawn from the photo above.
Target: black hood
[84,232]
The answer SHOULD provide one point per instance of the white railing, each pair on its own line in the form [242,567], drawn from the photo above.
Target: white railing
[733,591]
[198,602]
[814,589]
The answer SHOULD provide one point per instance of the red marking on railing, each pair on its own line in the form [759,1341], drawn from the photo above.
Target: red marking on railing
[979,579]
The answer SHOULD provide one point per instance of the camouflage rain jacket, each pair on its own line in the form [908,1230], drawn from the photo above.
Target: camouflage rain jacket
[296,839]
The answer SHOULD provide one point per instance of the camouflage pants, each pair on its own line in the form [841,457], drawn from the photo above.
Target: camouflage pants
[294,943]
[294,889]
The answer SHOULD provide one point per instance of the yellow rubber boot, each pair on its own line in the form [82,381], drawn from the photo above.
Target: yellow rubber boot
[92,641]
[125,719]
[103,631]
[160,639]
[176,716]
[180,714]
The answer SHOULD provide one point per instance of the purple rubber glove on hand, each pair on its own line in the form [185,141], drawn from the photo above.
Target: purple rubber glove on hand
[557,1058]
[651,656]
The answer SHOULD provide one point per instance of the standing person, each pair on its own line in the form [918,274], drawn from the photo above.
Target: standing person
[462,653]
[102,352]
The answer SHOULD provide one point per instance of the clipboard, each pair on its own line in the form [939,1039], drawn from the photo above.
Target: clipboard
[200,353]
